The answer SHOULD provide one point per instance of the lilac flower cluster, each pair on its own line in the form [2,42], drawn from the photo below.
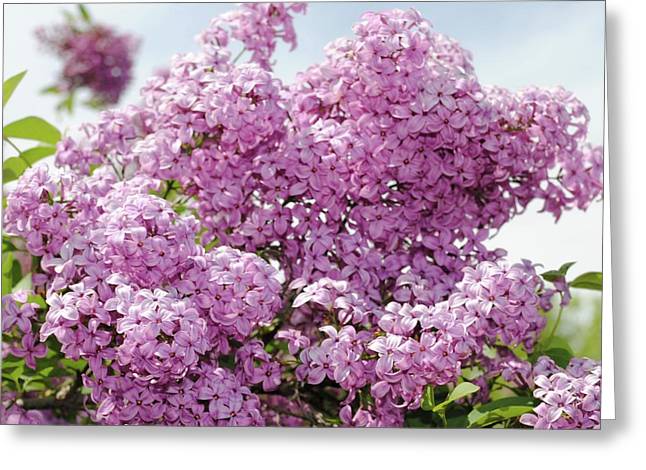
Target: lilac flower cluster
[256,26]
[230,247]
[131,291]
[399,349]
[570,398]
[95,57]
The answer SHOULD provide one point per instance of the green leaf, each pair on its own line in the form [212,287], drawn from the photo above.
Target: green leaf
[460,391]
[34,154]
[79,365]
[37,299]
[459,421]
[23,284]
[11,272]
[32,128]
[7,245]
[519,351]
[85,14]
[16,373]
[34,386]
[560,355]
[46,371]
[12,168]
[67,103]
[555,275]
[9,86]
[500,410]
[591,280]
[470,373]
[489,351]
[12,364]
[7,263]
[53,90]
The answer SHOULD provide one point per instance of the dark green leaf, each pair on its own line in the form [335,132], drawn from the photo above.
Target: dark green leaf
[566,267]
[555,275]
[500,410]
[458,421]
[32,128]
[9,86]
[12,168]
[591,280]
[7,245]
[560,355]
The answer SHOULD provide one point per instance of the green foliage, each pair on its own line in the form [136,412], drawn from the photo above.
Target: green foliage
[37,153]
[7,244]
[85,14]
[500,410]
[462,390]
[12,168]
[561,272]
[23,284]
[561,356]
[428,399]
[32,128]
[10,85]
[591,280]
[11,272]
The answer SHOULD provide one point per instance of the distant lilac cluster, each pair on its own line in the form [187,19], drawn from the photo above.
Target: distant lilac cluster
[94,57]
[570,398]
[229,248]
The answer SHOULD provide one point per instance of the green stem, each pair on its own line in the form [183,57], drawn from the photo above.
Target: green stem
[169,188]
[442,415]
[554,328]
[239,55]
[15,147]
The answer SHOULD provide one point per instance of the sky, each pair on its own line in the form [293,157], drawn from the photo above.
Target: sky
[514,44]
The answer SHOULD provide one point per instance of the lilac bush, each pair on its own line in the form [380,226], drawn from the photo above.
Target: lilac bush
[235,251]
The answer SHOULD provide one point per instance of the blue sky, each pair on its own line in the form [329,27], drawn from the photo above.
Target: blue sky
[515,44]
